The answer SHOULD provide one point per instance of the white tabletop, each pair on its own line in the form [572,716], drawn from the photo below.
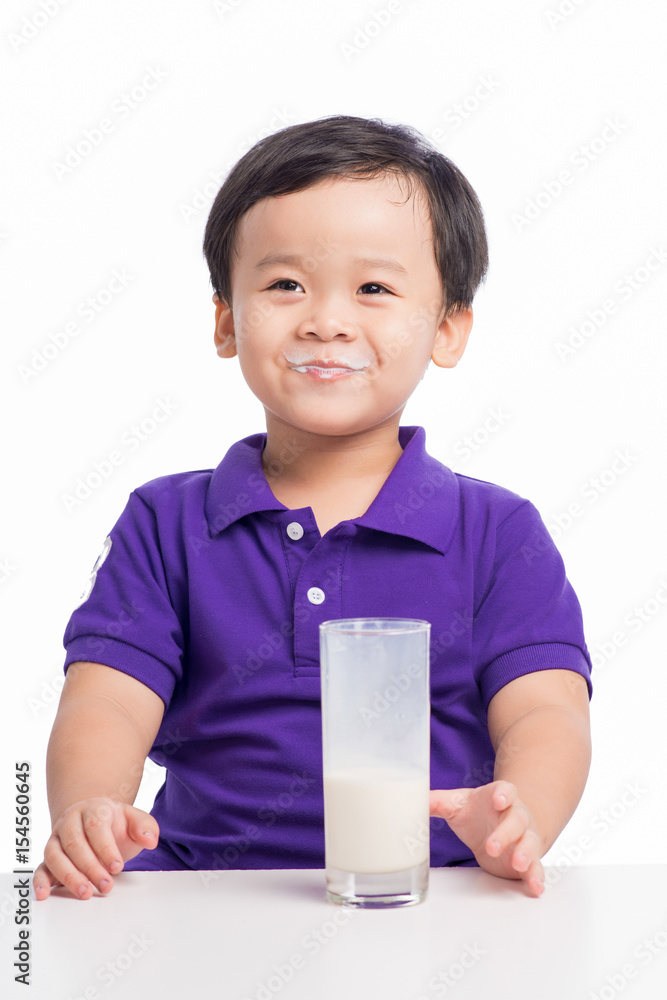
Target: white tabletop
[597,932]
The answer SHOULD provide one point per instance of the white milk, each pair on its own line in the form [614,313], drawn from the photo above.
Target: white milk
[376,819]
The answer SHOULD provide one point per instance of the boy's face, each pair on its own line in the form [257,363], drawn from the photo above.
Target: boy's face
[334,341]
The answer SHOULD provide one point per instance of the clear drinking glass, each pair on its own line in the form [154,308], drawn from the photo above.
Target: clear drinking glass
[376,759]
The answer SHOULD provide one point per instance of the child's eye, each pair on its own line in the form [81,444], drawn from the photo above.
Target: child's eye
[285,281]
[290,281]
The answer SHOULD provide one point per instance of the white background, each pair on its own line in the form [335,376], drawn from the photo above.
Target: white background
[538,91]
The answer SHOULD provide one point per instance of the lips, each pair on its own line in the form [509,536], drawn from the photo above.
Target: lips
[325,363]
[326,371]
[300,360]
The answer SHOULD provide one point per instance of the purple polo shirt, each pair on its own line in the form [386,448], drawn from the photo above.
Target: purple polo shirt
[211,593]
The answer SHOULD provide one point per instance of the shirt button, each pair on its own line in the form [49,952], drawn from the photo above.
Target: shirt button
[315,595]
[295,531]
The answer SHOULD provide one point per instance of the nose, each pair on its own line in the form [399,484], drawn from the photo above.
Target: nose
[327,320]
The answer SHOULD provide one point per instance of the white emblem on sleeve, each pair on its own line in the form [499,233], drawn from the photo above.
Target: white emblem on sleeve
[106,549]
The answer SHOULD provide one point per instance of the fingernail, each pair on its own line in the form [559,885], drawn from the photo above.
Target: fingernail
[495,844]
[115,866]
[103,884]
[502,800]
[83,890]
[149,834]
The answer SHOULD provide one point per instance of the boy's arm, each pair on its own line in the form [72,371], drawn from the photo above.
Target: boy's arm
[539,727]
[105,726]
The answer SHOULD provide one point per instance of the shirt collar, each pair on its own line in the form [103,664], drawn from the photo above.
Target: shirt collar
[419,499]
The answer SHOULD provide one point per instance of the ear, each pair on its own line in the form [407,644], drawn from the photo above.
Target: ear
[452,338]
[224,336]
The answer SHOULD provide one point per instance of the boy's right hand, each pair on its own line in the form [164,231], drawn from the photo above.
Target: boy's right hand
[90,843]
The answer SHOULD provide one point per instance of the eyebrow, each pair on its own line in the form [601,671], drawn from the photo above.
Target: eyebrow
[384,263]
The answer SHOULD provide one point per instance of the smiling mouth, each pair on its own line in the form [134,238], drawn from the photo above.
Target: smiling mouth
[326,371]
[300,359]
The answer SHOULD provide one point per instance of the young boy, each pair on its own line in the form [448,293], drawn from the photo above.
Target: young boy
[345,254]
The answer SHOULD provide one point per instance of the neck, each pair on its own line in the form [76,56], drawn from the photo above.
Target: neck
[295,459]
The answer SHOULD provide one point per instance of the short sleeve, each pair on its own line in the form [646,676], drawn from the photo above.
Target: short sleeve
[529,618]
[126,618]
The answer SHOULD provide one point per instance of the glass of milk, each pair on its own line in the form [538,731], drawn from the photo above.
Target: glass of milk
[376,756]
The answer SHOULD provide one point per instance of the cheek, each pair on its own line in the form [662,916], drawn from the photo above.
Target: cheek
[253,319]
[254,342]
[408,343]
[403,362]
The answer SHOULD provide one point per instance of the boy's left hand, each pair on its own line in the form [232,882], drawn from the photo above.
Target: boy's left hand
[497,826]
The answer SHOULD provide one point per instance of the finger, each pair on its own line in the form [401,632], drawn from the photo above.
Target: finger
[510,830]
[534,878]
[504,795]
[448,802]
[64,872]
[72,861]
[525,852]
[142,828]
[43,881]
[97,820]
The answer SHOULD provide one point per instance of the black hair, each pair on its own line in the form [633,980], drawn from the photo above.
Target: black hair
[299,156]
